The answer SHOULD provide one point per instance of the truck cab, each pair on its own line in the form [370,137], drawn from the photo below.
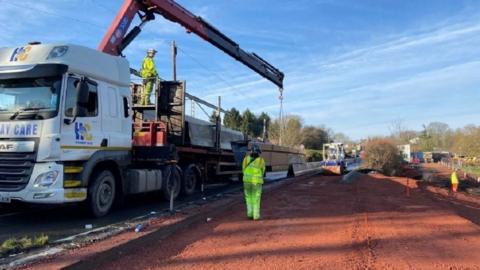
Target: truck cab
[64,116]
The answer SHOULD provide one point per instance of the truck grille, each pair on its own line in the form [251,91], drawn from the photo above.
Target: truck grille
[15,170]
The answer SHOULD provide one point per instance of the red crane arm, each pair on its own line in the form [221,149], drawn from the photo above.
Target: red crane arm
[116,39]
[118,29]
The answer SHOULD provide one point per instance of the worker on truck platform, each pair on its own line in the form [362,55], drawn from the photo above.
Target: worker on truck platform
[253,170]
[149,75]
[454,180]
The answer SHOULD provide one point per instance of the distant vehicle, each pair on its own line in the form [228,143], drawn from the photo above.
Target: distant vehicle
[428,156]
[334,158]
[405,152]
[438,156]
[418,157]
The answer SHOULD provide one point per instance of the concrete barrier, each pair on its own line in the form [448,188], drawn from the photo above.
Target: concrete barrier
[304,168]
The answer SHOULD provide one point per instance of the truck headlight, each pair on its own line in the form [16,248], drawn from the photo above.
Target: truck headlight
[46,179]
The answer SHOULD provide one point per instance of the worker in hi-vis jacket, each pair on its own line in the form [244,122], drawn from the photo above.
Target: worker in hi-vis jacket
[253,170]
[149,75]
[454,180]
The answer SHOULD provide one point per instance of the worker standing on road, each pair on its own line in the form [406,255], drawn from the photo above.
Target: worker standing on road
[253,170]
[149,75]
[454,180]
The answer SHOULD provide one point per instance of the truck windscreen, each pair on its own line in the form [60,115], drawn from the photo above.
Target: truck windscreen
[36,98]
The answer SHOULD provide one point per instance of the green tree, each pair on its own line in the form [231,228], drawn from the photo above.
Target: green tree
[248,122]
[426,142]
[258,128]
[213,117]
[233,119]
[274,131]
[467,141]
[314,137]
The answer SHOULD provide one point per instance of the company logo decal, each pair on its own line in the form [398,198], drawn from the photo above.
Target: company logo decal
[82,133]
[20,54]
[19,130]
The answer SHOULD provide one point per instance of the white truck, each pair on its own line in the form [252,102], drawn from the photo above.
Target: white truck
[334,158]
[65,125]
[69,130]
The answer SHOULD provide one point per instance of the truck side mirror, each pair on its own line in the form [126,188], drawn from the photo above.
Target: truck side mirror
[82,91]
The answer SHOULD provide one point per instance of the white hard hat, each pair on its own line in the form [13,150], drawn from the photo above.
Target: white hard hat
[151,50]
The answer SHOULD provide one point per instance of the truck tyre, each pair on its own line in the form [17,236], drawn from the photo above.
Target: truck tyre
[172,182]
[190,180]
[101,193]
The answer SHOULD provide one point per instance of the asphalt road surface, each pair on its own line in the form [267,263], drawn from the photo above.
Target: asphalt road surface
[17,220]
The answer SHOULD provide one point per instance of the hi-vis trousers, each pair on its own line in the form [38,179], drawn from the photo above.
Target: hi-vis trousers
[253,194]
[147,91]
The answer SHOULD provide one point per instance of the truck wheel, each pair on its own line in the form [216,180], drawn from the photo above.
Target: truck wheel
[172,182]
[101,193]
[190,179]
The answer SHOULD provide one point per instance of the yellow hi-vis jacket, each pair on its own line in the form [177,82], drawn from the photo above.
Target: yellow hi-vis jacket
[253,170]
[454,178]
[148,68]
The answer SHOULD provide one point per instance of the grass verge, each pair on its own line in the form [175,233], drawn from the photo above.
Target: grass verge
[474,170]
[15,245]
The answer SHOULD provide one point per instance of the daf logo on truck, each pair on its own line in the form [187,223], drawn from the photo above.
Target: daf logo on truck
[11,147]
[7,147]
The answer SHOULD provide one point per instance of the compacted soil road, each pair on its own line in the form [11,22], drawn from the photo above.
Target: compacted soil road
[320,223]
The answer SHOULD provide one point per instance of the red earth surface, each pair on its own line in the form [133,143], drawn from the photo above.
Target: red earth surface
[320,223]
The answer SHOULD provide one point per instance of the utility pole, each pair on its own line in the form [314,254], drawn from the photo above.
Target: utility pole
[174,60]
[280,117]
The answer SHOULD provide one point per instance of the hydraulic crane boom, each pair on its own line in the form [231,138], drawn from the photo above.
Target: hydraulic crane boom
[117,39]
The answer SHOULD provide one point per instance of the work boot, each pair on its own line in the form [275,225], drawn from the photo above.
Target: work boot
[256,214]
[249,212]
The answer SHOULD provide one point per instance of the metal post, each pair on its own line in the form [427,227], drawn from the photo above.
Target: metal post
[174,60]
[171,173]
[280,117]
[218,124]
[204,175]
[264,129]
[171,200]
[156,86]
[219,108]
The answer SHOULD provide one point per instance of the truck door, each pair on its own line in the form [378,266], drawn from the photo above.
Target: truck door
[82,136]
[112,117]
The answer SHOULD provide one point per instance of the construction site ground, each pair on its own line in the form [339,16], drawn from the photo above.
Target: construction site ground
[313,223]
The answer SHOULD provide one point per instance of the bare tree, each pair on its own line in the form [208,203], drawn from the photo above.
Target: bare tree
[290,130]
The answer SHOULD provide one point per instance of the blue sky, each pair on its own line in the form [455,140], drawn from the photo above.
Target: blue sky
[354,66]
